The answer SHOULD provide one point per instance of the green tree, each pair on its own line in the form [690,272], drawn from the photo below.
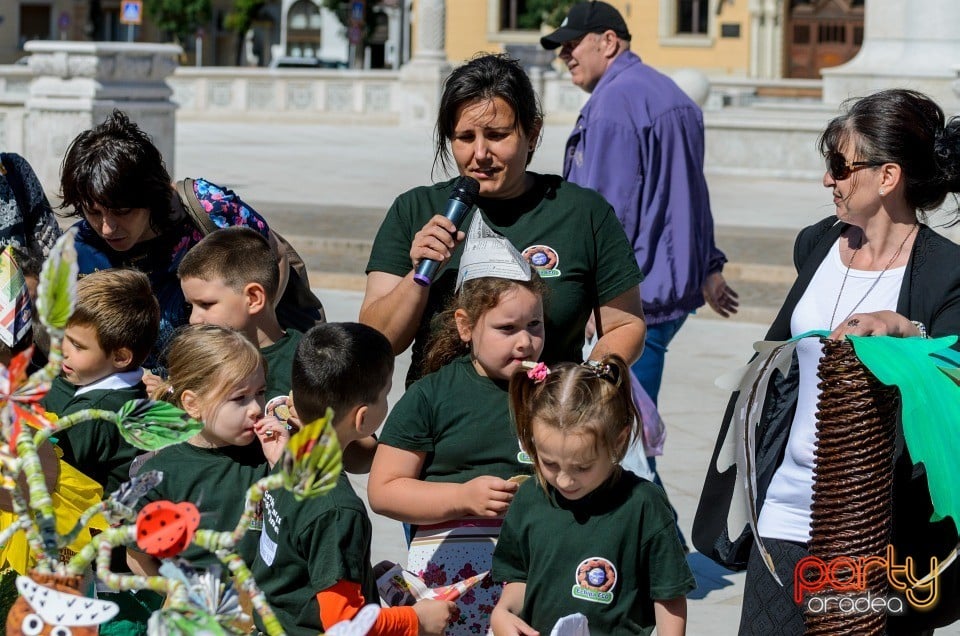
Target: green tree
[240,19]
[549,12]
[179,18]
[342,10]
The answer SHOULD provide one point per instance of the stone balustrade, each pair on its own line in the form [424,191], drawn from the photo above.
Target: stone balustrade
[14,88]
[71,86]
[76,85]
[336,95]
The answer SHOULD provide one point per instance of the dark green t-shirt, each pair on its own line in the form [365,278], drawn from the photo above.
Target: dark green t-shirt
[306,547]
[607,556]
[94,448]
[461,420]
[570,234]
[279,357]
[216,480]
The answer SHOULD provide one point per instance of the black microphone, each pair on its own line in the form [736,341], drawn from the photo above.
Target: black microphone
[465,192]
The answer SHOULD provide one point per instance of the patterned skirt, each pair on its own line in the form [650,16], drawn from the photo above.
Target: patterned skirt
[449,552]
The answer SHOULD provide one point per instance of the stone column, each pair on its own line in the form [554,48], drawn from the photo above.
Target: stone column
[78,84]
[422,77]
[766,39]
[905,45]
[775,21]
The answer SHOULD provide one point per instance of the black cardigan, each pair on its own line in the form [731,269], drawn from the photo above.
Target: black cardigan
[930,293]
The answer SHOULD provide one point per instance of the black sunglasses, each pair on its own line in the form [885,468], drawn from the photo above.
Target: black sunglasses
[840,169]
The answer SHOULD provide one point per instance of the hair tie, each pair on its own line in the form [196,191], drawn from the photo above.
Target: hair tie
[170,390]
[605,370]
[537,372]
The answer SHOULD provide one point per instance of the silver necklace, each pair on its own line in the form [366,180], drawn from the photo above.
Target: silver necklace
[875,281]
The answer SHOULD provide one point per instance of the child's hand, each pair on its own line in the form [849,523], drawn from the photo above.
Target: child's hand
[273,436]
[294,419]
[488,496]
[503,623]
[434,616]
[151,381]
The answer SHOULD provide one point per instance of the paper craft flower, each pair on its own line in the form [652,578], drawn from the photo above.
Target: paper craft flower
[312,461]
[165,529]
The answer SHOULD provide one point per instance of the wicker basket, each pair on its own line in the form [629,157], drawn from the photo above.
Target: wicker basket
[852,480]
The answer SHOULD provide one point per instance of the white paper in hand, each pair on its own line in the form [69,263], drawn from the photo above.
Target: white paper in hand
[572,625]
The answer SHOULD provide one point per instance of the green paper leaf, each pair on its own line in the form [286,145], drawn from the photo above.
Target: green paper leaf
[150,425]
[56,291]
[930,411]
[170,622]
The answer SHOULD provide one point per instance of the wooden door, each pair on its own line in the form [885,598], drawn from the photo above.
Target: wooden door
[821,34]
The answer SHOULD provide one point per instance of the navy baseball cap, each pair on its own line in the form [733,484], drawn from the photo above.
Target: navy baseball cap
[587,17]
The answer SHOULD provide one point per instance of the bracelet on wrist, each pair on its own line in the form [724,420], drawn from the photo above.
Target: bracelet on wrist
[920,327]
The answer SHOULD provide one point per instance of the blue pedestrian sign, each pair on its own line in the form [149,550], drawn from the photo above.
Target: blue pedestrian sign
[131,12]
[356,11]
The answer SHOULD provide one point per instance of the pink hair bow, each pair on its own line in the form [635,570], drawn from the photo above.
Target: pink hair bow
[538,373]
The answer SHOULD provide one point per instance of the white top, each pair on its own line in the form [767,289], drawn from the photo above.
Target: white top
[786,509]
[114,381]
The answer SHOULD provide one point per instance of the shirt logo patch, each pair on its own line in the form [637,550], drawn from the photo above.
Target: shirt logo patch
[596,578]
[522,456]
[544,259]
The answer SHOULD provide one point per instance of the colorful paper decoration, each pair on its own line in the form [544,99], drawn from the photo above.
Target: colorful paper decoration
[165,529]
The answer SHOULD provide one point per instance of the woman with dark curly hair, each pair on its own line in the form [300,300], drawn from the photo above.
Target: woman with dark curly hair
[115,181]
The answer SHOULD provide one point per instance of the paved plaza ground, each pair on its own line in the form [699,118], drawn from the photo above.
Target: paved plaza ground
[327,189]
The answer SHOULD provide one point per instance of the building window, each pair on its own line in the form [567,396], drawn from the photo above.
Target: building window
[692,17]
[514,16]
[832,32]
[35,23]
[304,23]
[687,23]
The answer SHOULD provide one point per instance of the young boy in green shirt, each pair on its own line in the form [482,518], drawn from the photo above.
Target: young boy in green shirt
[231,279]
[313,562]
[108,336]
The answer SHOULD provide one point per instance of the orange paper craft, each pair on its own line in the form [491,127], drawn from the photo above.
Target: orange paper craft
[165,529]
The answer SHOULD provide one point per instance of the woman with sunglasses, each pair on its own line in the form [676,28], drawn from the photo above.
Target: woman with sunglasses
[872,268]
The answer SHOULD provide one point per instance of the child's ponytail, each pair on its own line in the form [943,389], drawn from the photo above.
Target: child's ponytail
[445,344]
[163,392]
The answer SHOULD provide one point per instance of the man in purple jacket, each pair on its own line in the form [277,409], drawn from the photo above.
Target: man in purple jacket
[639,142]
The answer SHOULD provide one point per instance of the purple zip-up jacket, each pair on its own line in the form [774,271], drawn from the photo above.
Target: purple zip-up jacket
[639,142]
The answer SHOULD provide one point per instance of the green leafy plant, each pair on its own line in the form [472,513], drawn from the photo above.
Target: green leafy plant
[548,12]
[240,19]
[179,18]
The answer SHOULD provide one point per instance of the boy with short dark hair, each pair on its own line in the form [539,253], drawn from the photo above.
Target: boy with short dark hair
[313,562]
[109,334]
[231,279]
